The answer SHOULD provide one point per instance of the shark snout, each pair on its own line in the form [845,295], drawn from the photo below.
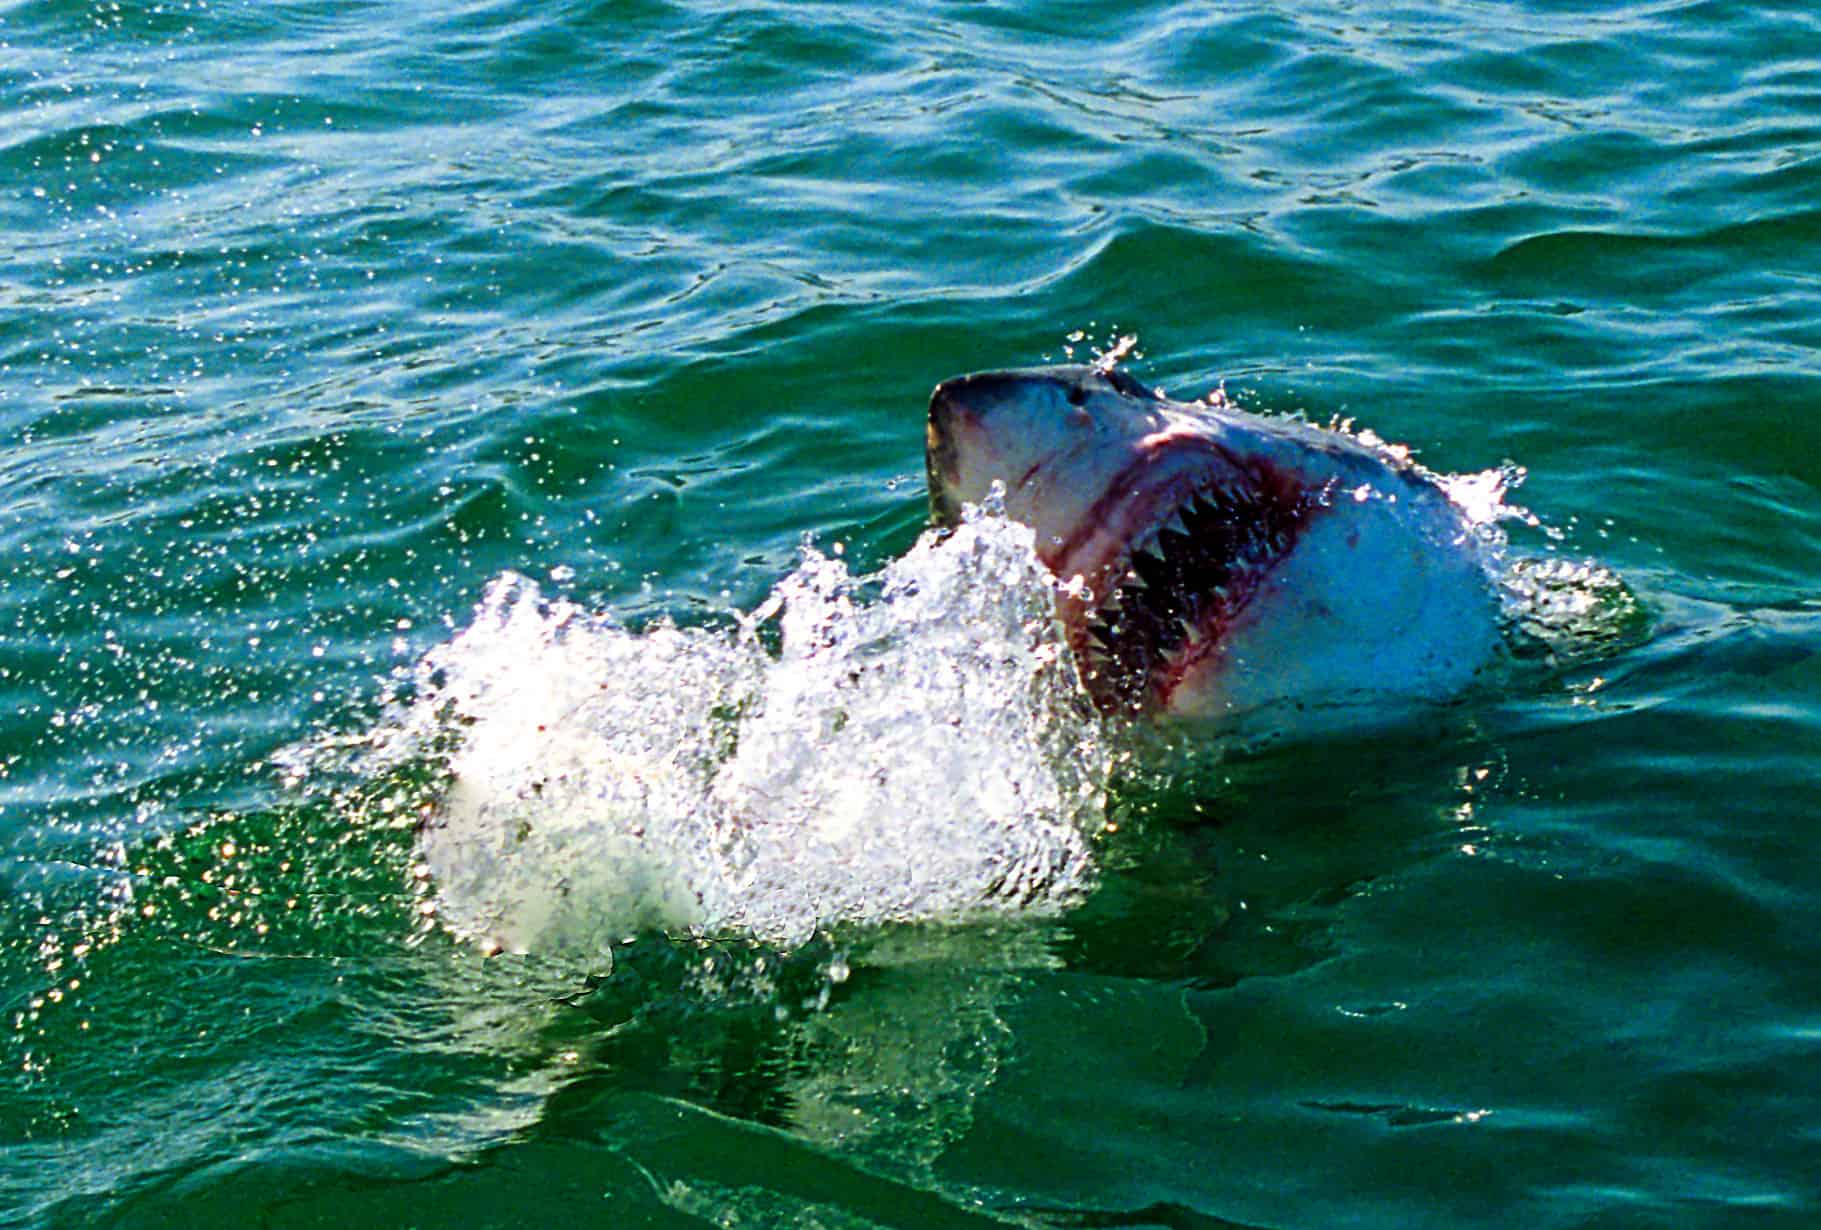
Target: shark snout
[960,437]
[946,412]
[1047,436]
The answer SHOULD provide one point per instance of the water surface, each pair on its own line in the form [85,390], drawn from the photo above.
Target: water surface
[317,320]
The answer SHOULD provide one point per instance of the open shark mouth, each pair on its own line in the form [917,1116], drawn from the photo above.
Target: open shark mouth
[1211,563]
[1168,602]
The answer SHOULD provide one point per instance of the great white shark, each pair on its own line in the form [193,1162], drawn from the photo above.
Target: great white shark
[1212,563]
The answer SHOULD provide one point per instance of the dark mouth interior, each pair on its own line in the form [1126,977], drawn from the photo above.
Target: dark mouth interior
[1183,585]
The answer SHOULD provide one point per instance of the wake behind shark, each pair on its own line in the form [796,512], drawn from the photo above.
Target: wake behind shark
[1212,563]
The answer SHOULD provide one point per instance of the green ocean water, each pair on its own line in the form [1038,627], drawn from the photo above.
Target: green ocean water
[316,320]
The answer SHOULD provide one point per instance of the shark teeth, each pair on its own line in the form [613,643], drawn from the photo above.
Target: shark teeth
[1185,581]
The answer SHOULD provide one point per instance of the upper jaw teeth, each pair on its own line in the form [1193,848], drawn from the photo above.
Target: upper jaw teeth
[1175,523]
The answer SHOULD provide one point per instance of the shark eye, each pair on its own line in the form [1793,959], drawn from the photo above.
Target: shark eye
[1077,395]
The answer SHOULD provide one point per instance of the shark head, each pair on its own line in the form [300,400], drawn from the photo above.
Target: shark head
[1212,563]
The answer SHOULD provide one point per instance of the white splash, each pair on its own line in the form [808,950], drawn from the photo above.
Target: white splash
[1481,496]
[923,753]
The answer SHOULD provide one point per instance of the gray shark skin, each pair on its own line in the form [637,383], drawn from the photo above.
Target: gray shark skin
[1212,563]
